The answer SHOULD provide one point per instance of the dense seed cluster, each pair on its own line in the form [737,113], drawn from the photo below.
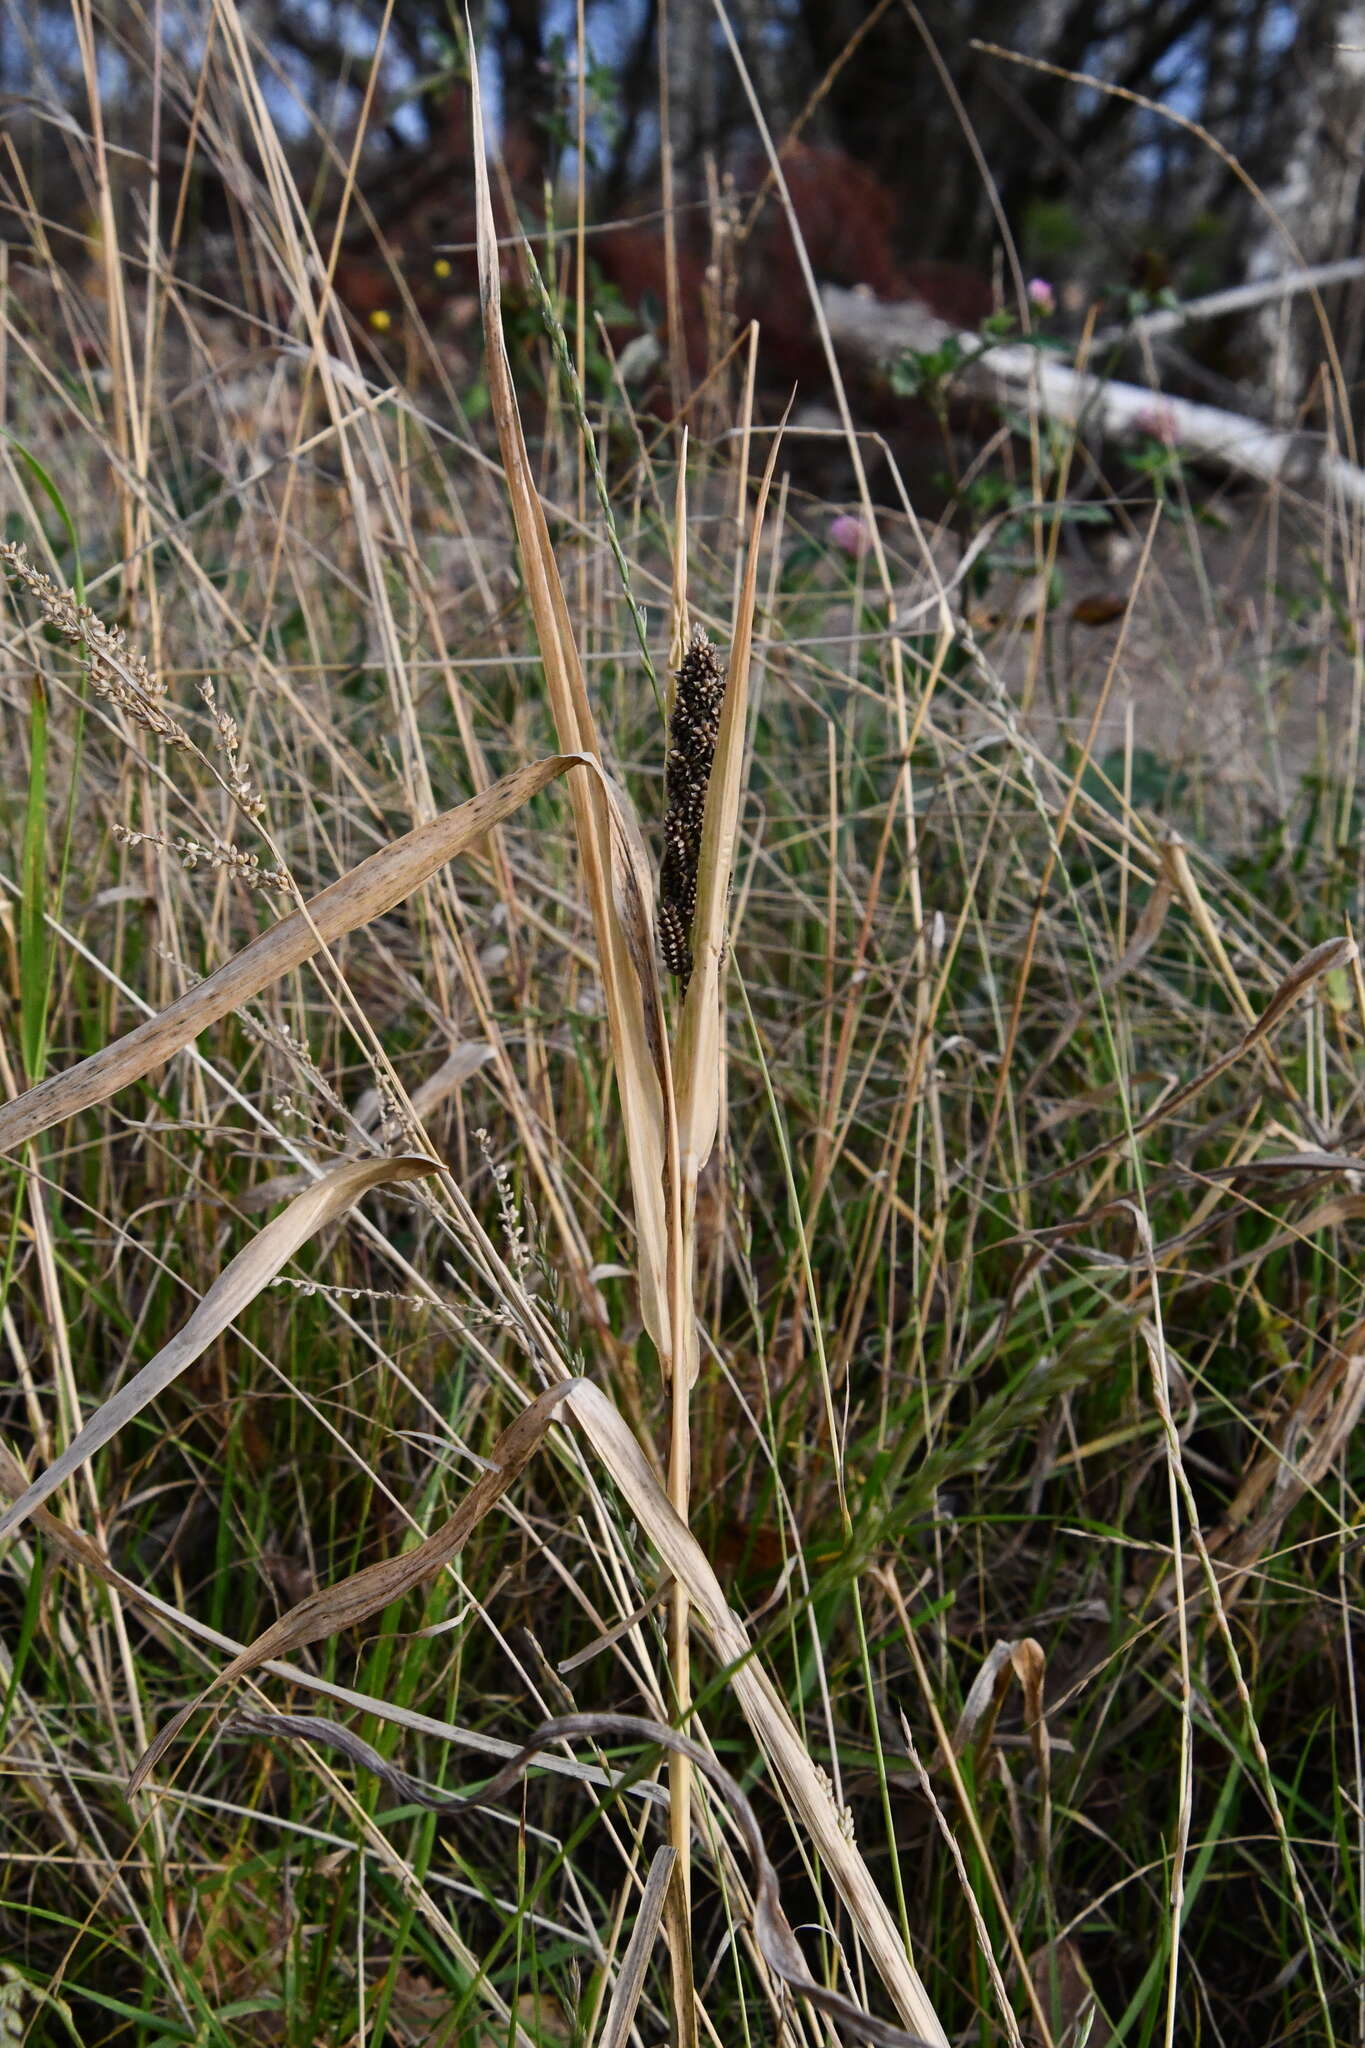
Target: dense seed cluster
[692,734]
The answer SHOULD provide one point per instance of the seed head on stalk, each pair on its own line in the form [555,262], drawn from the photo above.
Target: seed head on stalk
[692,731]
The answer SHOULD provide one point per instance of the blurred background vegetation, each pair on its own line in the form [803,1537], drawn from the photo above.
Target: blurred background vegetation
[1094,182]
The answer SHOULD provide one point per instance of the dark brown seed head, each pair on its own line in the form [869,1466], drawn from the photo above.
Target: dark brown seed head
[692,733]
[673,934]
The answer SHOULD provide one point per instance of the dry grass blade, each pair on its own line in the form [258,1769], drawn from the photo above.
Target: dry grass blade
[354,1599]
[1004,1663]
[371,889]
[763,1707]
[1314,1435]
[632,887]
[239,1283]
[625,979]
[772,1929]
[1323,959]
[1311,1163]
[630,1978]
[677,638]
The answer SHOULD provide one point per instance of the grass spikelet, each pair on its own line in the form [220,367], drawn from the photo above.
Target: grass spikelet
[117,673]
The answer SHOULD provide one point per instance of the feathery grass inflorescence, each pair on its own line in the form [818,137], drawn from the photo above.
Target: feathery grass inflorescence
[193,853]
[237,781]
[692,731]
[116,671]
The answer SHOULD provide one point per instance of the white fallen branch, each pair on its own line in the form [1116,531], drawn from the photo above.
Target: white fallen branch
[1013,374]
[1238,298]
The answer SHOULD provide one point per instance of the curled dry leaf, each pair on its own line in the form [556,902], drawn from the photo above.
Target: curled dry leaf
[1007,1661]
[772,1930]
[240,1281]
[354,1599]
[1003,1663]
